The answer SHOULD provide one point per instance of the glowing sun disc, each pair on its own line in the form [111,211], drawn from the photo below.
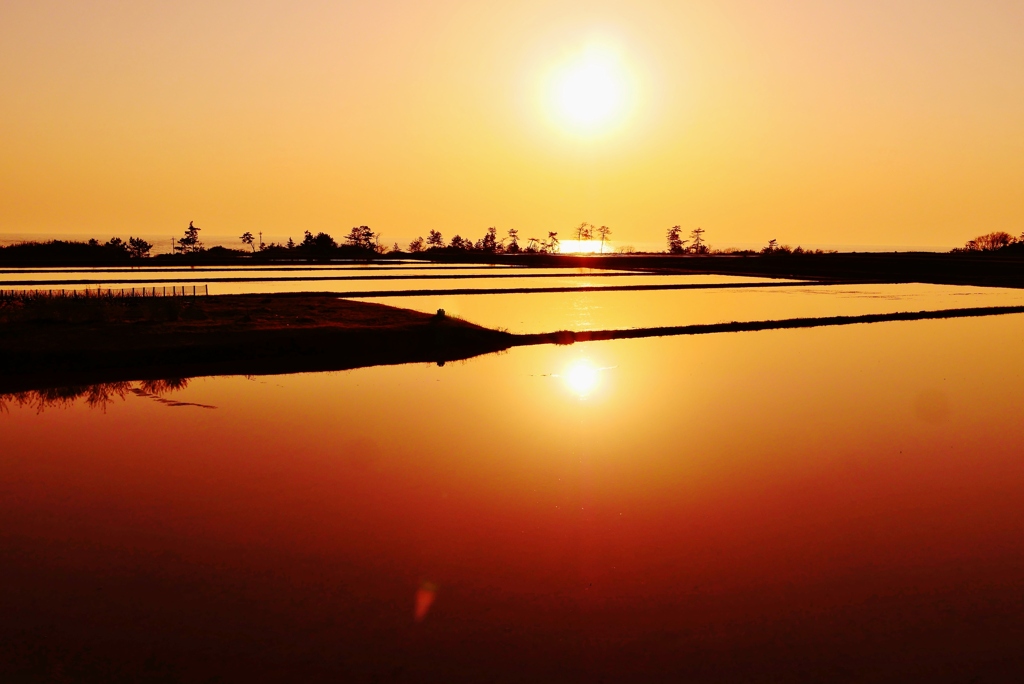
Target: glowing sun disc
[590,92]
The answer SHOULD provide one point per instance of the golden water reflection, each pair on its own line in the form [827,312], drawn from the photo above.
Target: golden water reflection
[582,377]
[850,498]
[544,312]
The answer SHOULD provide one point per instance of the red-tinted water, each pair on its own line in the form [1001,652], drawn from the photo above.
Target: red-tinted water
[838,504]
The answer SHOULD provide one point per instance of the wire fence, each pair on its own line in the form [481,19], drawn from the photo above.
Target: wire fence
[111,292]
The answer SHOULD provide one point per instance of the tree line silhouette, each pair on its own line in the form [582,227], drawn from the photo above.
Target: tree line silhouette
[115,250]
[363,242]
[360,240]
[490,243]
[695,245]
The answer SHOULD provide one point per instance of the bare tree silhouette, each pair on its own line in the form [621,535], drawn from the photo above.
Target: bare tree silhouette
[552,244]
[248,239]
[459,242]
[513,239]
[697,244]
[190,243]
[362,237]
[489,242]
[676,245]
[990,242]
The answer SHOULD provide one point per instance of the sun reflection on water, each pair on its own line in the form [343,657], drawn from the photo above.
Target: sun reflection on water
[582,377]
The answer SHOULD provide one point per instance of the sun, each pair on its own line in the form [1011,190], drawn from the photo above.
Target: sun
[591,91]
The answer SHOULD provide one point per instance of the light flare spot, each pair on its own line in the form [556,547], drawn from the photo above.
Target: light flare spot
[425,596]
[582,246]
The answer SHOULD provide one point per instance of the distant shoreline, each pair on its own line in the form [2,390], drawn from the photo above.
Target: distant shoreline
[164,242]
[1000,268]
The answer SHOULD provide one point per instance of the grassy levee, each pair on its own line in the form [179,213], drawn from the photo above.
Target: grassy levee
[572,337]
[61,341]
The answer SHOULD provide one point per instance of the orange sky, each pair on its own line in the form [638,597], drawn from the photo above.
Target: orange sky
[896,122]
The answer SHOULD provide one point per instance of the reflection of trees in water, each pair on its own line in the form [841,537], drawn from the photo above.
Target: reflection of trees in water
[164,386]
[99,395]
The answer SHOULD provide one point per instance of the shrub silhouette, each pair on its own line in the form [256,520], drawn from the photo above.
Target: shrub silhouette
[990,242]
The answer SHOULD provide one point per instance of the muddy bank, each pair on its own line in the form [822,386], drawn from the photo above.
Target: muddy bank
[51,341]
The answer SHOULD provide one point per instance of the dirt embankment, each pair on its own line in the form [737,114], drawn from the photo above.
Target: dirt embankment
[72,341]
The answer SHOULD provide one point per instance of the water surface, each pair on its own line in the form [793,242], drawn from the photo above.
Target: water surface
[804,505]
[348,282]
[545,312]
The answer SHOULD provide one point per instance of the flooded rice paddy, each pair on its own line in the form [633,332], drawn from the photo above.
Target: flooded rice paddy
[830,504]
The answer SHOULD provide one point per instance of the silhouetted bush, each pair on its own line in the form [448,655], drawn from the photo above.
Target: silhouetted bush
[991,242]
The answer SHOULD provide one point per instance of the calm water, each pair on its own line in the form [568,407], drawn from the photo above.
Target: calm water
[362,280]
[201,274]
[834,504]
[508,281]
[544,312]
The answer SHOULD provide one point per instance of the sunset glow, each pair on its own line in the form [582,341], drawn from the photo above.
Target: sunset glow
[585,247]
[590,92]
[856,124]
[547,340]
